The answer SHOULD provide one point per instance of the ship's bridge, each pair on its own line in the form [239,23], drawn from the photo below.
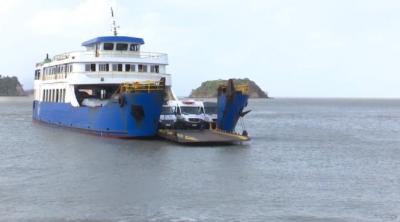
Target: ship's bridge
[114,43]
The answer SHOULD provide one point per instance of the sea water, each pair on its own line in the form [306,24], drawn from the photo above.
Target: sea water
[309,160]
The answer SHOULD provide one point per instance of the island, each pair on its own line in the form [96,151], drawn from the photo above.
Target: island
[208,89]
[10,86]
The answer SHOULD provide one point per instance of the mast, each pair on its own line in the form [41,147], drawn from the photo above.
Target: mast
[114,23]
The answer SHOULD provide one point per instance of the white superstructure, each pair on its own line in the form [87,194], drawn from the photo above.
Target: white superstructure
[109,60]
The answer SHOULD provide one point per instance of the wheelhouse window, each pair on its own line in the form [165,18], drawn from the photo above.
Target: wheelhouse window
[134,47]
[90,67]
[130,68]
[104,67]
[142,68]
[155,68]
[108,46]
[122,46]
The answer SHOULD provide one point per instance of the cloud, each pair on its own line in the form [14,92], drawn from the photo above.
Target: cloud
[87,16]
[6,5]
[6,10]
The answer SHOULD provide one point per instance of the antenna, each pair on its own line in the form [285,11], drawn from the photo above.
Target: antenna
[114,24]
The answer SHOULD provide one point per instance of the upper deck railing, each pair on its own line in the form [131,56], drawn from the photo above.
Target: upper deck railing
[125,54]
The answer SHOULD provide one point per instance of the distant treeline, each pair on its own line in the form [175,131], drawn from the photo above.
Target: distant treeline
[10,86]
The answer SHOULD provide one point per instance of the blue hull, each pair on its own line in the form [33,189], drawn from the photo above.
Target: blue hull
[138,117]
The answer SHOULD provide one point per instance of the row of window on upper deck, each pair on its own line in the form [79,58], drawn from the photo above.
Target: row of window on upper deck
[108,46]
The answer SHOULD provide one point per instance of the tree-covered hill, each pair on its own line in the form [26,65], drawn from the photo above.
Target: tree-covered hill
[10,86]
[208,89]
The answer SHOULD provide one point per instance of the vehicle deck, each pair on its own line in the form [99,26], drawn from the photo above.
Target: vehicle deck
[198,137]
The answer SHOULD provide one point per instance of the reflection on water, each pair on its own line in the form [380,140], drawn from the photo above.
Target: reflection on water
[309,160]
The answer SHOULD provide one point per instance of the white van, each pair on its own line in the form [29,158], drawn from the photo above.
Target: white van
[168,115]
[190,114]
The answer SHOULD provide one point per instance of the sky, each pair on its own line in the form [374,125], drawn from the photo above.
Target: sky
[291,48]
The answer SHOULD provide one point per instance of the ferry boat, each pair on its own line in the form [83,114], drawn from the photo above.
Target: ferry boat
[111,88]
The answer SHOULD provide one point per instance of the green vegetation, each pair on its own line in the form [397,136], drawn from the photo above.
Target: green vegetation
[10,86]
[208,89]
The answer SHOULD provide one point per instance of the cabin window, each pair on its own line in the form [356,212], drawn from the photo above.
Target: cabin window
[64,91]
[130,68]
[108,46]
[70,68]
[61,96]
[37,74]
[127,68]
[117,67]
[134,47]
[142,68]
[104,67]
[122,46]
[155,68]
[57,96]
[90,67]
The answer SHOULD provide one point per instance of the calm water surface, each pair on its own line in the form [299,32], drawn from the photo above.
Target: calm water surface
[309,160]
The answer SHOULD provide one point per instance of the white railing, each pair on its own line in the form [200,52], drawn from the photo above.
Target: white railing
[122,74]
[98,74]
[130,54]
[133,54]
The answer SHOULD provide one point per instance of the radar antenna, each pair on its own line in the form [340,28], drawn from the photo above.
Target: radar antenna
[114,23]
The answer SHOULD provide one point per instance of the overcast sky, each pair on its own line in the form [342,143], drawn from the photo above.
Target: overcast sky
[291,48]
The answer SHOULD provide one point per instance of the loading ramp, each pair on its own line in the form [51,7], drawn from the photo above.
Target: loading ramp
[199,137]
